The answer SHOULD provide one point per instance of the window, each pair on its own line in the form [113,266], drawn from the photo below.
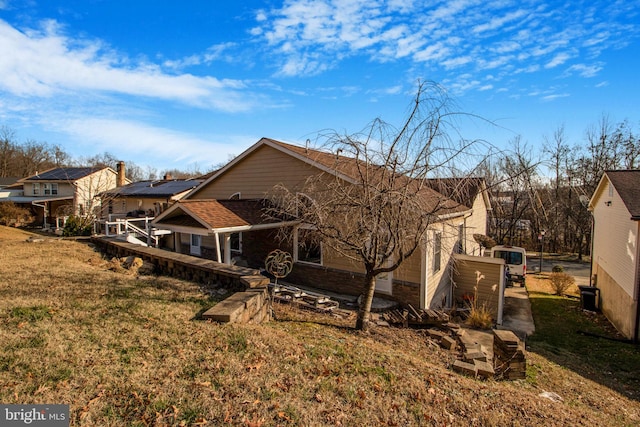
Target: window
[309,247]
[50,189]
[196,242]
[236,242]
[460,246]
[236,238]
[437,251]
[36,189]
[510,257]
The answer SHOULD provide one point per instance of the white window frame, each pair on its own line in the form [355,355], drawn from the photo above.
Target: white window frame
[195,244]
[238,250]
[50,188]
[36,189]
[296,246]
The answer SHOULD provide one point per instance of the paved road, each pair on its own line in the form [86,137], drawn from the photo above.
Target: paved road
[579,270]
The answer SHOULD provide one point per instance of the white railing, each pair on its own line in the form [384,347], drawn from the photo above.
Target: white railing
[128,227]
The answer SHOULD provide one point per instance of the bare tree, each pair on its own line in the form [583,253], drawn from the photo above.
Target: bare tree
[514,197]
[376,208]
[8,151]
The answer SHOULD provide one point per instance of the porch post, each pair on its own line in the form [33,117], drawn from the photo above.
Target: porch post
[219,257]
[227,248]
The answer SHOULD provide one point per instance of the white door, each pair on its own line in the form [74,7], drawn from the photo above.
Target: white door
[384,282]
[196,241]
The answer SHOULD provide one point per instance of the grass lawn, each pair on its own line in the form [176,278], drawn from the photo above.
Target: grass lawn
[581,341]
[128,350]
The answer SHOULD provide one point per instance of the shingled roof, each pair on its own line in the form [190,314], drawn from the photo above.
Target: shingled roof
[627,184]
[218,214]
[350,168]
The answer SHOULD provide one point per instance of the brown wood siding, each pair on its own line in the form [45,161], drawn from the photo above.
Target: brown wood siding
[256,175]
[465,279]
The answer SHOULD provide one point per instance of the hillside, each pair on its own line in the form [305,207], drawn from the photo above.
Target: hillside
[130,350]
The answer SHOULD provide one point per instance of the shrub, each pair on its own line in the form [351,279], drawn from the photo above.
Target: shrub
[557,268]
[76,226]
[13,215]
[561,281]
[480,317]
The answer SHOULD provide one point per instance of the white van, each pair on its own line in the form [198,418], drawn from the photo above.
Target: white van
[516,260]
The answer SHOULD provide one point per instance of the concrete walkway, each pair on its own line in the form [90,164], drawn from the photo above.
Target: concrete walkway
[517,315]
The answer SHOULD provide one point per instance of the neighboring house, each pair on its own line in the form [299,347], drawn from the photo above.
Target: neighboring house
[145,198]
[615,259]
[471,192]
[56,193]
[7,183]
[222,219]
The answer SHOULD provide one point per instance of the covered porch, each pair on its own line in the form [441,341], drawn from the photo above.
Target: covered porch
[226,231]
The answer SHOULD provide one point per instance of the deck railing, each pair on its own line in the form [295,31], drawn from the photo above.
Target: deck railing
[140,228]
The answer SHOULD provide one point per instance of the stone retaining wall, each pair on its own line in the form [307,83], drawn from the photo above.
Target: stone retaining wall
[186,267]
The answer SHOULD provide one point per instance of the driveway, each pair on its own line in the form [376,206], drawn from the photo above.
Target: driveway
[516,313]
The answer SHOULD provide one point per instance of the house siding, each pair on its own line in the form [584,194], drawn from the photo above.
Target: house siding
[476,224]
[438,291]
[619,307]
[255,176]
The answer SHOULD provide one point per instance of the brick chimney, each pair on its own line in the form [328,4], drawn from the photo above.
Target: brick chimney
[168,177]
[121,178]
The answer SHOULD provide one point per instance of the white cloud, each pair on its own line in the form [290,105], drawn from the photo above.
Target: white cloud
[149,144]
[583,70]
[559,59]
[555,96]
[312,36]
[45,62]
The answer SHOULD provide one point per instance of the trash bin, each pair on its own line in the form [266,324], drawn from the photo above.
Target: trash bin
[589,297]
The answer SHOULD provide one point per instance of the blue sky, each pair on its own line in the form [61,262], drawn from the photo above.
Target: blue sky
[188,84]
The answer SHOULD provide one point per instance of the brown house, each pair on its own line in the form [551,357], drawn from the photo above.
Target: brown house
[222,219]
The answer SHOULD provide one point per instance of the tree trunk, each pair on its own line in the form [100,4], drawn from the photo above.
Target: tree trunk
[364,311]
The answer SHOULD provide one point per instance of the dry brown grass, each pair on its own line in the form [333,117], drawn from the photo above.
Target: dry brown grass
[126,350]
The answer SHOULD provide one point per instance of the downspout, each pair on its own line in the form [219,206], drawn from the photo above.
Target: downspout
[44,208]
[636,333]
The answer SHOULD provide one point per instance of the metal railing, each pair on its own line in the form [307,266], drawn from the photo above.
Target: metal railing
[128,227]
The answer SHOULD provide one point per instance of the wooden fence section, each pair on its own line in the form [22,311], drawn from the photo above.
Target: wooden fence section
[186,266]
[480,278]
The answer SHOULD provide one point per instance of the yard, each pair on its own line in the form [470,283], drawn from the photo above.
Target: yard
[582,341]
[122,349]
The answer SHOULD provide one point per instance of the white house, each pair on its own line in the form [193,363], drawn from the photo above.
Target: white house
[615,206]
